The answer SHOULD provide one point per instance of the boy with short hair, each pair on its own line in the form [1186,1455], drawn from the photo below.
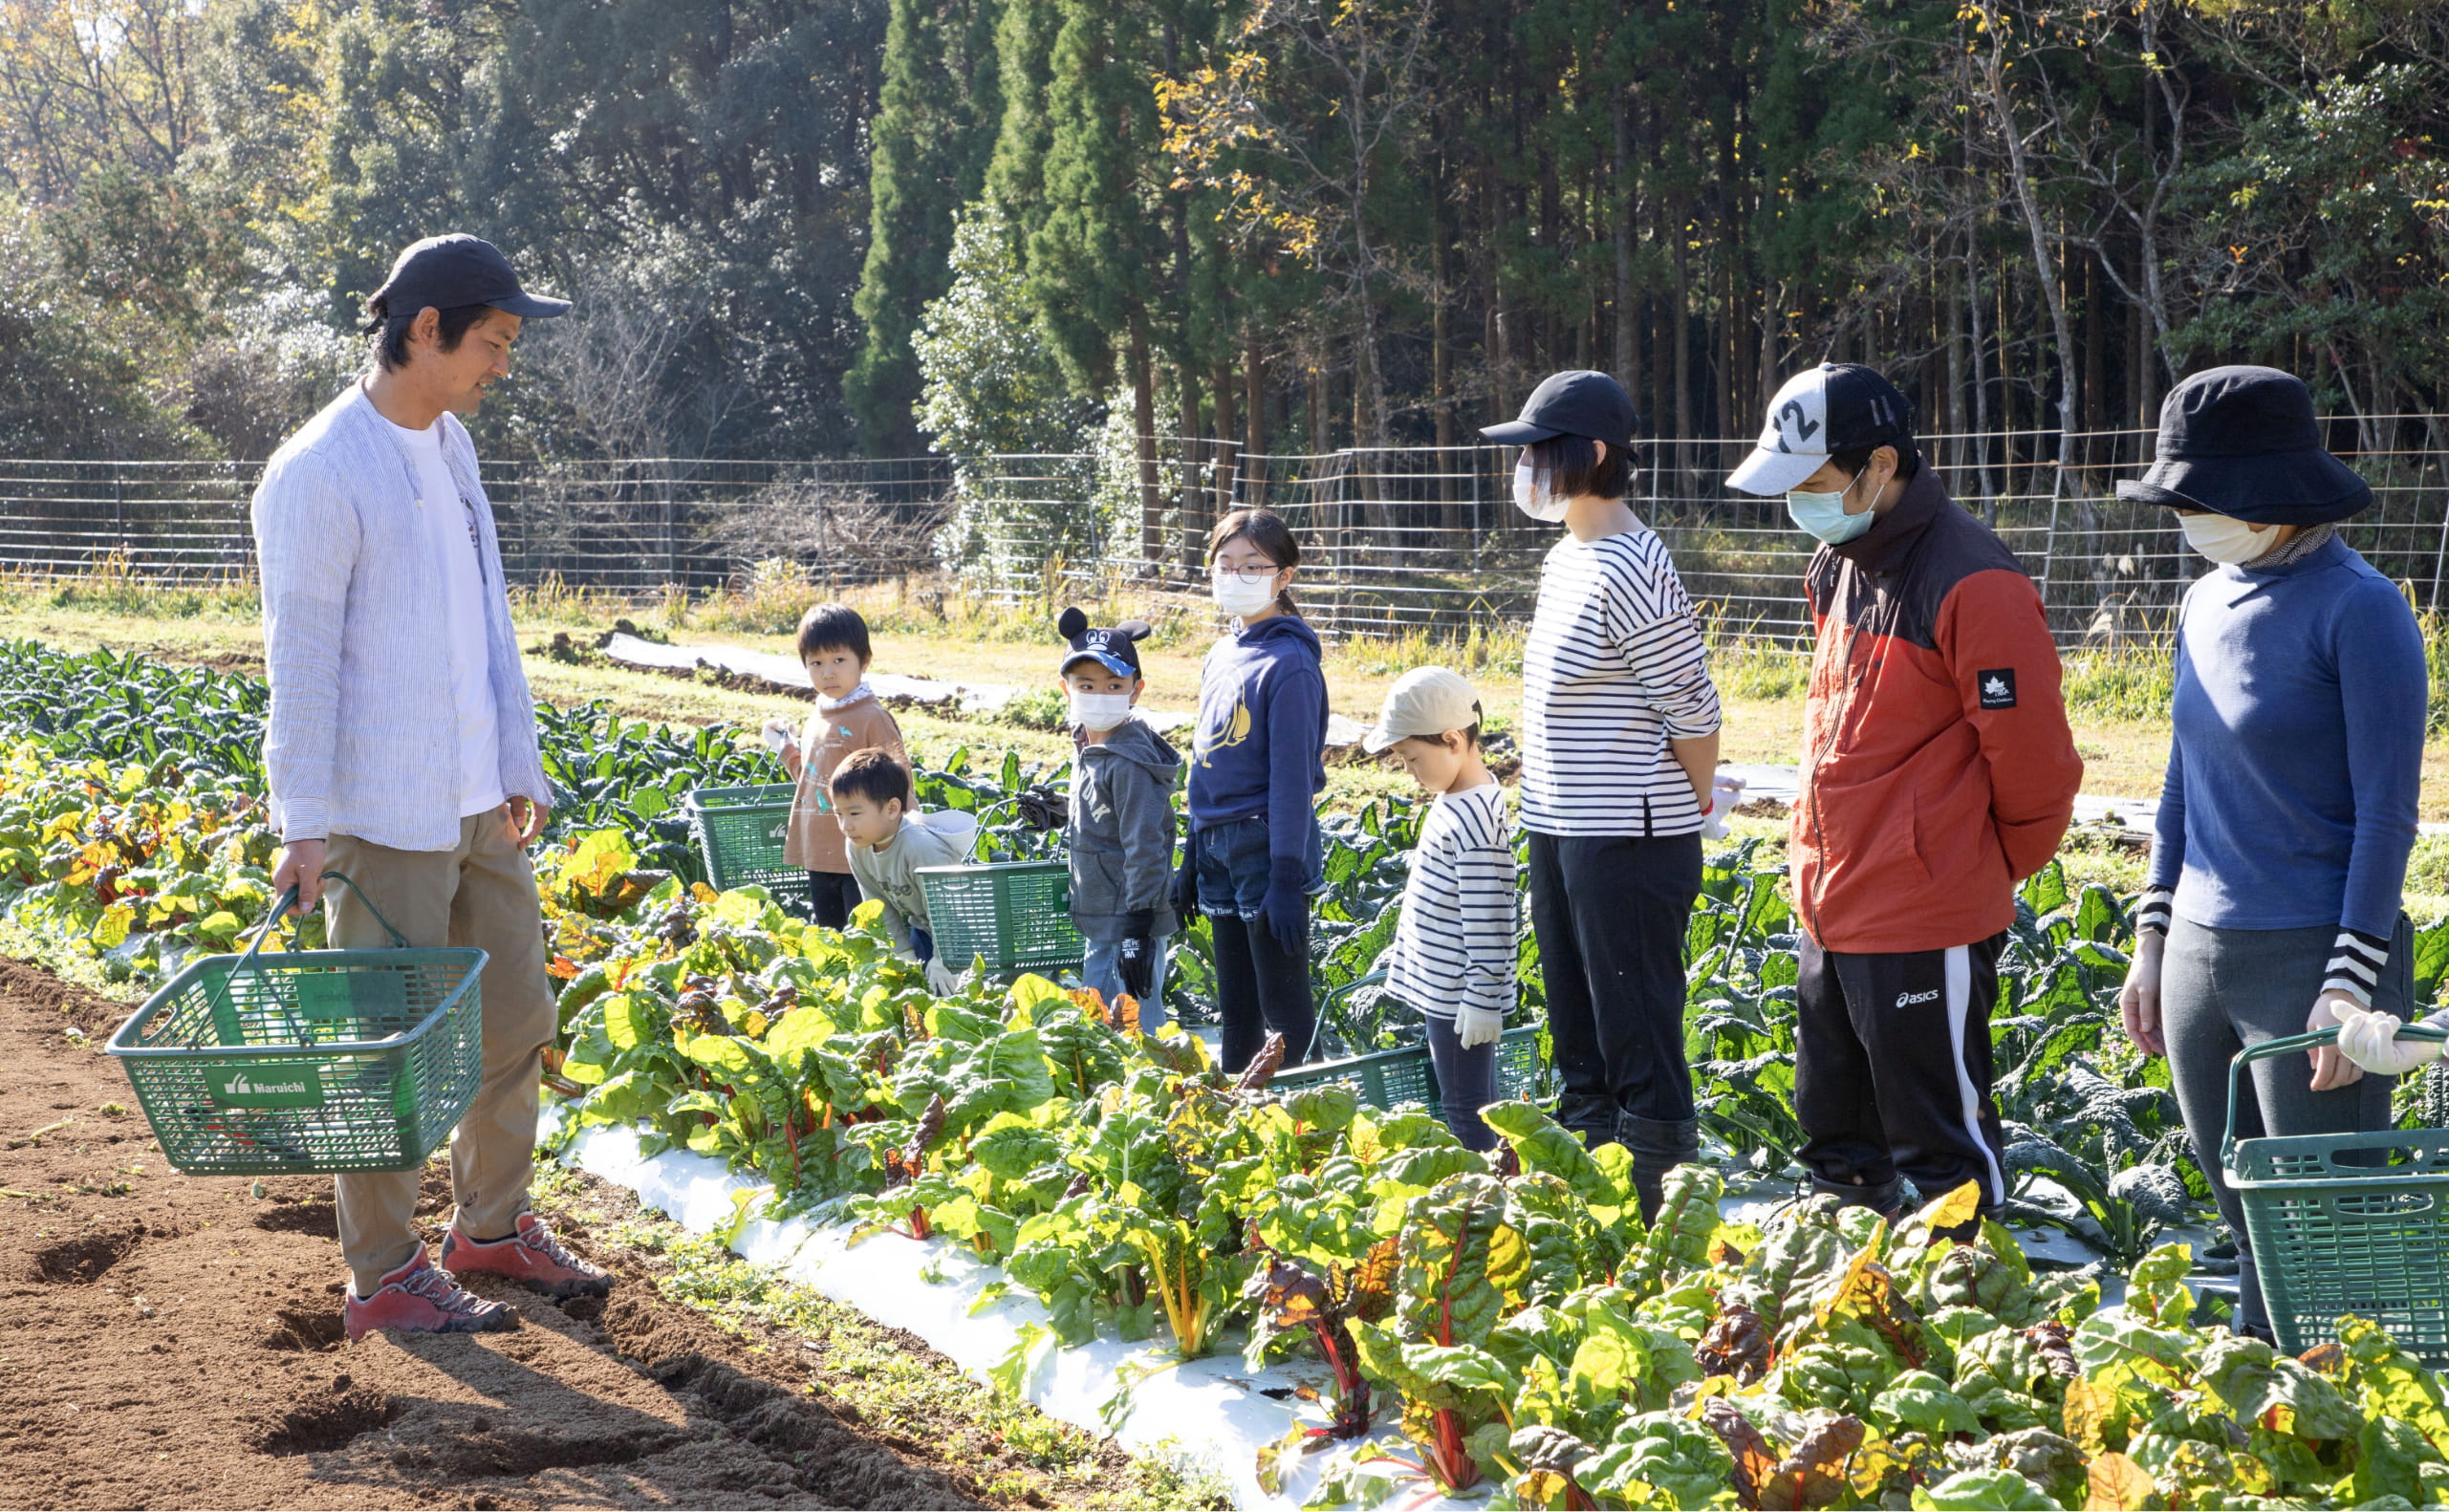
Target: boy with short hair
[1455,942]
[888,842]
[849,717]
[1121,833]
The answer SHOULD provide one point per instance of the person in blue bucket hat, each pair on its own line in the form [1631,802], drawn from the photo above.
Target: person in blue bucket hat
[2279,848]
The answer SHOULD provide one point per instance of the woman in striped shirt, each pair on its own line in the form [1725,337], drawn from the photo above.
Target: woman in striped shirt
[1619,749]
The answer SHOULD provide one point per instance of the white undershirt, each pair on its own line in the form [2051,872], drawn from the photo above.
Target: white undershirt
[449,530]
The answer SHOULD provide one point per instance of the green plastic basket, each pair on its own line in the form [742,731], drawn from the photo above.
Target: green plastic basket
[2345,1223]
[1386,1078]
[1015,916]
[308,1061]
[741,831]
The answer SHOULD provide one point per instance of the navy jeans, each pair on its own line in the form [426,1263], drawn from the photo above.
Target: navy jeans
[1467,1082]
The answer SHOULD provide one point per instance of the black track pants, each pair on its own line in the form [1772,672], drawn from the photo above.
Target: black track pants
[832,896]
[1893,1075]
[1262,988]
[1610,912]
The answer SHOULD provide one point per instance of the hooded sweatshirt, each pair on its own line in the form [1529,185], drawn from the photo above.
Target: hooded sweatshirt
[1262,729]
[1122,832]
[943,838]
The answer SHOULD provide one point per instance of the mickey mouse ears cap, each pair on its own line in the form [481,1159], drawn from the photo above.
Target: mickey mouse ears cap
[1116,649]
[1836,406]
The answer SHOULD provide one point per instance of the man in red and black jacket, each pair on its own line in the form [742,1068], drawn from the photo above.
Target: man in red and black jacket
[1938,772]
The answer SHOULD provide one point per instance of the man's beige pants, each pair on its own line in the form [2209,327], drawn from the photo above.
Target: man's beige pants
[481,893]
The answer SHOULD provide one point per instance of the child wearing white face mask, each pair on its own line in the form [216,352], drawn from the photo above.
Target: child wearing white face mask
[1120,830]
[1254,857]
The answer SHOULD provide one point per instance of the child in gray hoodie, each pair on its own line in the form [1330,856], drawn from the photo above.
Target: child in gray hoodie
[1121,832]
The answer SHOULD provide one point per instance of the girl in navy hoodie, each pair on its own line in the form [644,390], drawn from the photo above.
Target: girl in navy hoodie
[1252,856]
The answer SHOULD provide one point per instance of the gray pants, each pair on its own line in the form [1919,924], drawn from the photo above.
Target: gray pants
[2223,989]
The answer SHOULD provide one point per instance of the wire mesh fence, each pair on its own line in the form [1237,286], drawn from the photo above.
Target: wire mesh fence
[1395,540]
[632,526]
[1427,539]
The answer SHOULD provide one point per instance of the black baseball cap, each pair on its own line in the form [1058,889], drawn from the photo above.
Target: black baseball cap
[1574,403]
[1116,649]
[1836,406]
[2242,442]
[446,272]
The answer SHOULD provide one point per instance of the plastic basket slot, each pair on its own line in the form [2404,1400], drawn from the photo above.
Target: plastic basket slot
[2383,1204]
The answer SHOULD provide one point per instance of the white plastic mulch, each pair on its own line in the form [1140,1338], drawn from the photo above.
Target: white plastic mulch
[1212,1412]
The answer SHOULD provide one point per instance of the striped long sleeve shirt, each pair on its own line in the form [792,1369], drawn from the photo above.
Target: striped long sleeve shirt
[1615,668]
[1455,940]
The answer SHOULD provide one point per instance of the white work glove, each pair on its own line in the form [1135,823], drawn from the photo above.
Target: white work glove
[2332,1071]
[779,737]
[2371,1041]
[942,980]
[1725,792]
[1478,1027]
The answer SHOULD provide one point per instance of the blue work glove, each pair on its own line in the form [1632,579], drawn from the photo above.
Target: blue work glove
[1288,903]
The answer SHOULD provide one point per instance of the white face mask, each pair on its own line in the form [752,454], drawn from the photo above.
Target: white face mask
[1239,597]
[1533,500]
[2223,538]
[1100,711]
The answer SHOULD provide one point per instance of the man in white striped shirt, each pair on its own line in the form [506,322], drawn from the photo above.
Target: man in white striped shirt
[1619,725]
[1452,956]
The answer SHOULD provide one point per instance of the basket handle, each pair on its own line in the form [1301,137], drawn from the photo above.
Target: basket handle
[1318,1020]
[2269,1049]
[280,910]
[227,1016]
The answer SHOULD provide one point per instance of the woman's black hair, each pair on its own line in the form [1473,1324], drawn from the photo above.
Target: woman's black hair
[390,332]
[1574,469]
[829,627]
[1265,530]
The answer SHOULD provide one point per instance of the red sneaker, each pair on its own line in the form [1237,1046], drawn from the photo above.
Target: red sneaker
[531,1256]
[418,1299]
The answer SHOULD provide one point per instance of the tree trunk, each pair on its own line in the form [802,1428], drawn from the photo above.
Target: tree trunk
[1143,421]
[1680,314]
[1321,434]
[1221,471]
[2044,265]
[1973,302]
[1254,437]
[1627,344]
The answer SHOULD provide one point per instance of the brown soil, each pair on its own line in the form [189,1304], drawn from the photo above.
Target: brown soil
[175,1341]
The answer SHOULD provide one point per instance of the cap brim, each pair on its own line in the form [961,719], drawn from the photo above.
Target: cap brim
[1518,433]
[1378,739]
[1104,658]
[2288,488]
[1767,472]
[533,307]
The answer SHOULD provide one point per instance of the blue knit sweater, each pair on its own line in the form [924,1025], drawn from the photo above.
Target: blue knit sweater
[2296,756]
